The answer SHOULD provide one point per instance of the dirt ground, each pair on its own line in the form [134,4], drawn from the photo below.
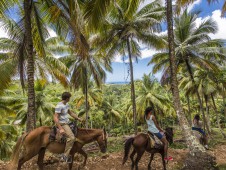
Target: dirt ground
[113,161]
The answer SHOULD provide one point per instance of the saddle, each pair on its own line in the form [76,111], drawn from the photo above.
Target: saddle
[57,137]
[153,142]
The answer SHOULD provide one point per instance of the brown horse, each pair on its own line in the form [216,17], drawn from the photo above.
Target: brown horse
[141,143]
[37,141]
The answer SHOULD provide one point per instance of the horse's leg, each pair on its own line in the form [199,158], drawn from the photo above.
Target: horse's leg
[131,157]
[71,164]
[139,155]
[81,151]
[41,155]
[149,164]
[163,161]
[25,158]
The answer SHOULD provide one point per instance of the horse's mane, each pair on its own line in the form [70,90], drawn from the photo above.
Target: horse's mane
[93,132]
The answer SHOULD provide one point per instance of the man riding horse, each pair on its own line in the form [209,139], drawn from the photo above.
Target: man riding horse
[61,119]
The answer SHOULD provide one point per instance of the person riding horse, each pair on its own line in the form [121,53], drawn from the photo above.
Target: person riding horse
[154,128]
[197,126]
[61,119]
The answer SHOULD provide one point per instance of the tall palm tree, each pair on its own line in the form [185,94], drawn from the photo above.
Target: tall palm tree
[193,47]
[15,58]
[83,69]
[124,27]
[191,141]
[31,121]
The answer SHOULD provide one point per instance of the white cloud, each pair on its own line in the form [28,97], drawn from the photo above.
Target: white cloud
[118,59]
[146,53]
[3,33]
[197,2]
[148,2]
[51,32]
[221,22]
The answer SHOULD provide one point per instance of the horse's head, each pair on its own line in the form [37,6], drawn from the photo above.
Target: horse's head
[102,141]
[169,134]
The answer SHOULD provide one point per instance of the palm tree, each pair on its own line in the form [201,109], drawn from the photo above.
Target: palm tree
[151,93]
[83,69]
[16,60]
[210,86]
[193,47]
[44,105]
[125,26]
[31,121]
[8,132]
[190,139]
[111,110]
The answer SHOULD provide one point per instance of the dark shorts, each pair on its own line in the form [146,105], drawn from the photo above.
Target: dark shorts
[199,130]
[159,135]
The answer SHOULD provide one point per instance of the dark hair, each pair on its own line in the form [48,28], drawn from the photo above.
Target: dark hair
[197,117]
[66,95]
[147,110]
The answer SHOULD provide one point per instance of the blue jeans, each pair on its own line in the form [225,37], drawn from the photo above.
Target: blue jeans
[158,135]
[199,130]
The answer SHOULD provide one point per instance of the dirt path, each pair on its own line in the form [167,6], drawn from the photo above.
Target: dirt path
[113,161]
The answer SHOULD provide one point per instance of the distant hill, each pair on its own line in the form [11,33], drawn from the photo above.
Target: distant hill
[117,82]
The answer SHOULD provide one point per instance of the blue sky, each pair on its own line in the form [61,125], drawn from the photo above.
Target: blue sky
[120,70]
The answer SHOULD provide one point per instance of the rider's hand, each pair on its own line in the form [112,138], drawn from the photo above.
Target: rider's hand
[162,131]
[62,131]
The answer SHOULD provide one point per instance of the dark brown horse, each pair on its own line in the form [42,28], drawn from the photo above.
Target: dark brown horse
[141,143]
[37,141]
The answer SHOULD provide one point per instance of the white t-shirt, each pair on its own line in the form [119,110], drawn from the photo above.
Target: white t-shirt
[62,110]
[151,125]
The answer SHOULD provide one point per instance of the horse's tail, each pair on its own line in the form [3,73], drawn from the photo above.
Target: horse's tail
[16,153]
[127,147]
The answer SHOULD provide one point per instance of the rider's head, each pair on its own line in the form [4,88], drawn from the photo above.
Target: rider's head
[66,96]
[147,111]
[197,117]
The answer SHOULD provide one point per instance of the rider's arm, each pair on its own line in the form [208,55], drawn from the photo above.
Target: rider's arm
[56,120]
[74,115]
[156,124]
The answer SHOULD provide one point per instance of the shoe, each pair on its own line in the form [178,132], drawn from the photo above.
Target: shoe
[206,146]
[67,159]
[168,158]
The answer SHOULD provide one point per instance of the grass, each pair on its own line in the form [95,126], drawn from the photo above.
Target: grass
[115,144]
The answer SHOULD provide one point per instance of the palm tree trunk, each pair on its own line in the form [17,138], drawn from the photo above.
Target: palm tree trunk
[86,99]
[191,141]
[224,101]
[198,96]
[31,115]
[189,110]
[207,112]
[132,86]
[218,119]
